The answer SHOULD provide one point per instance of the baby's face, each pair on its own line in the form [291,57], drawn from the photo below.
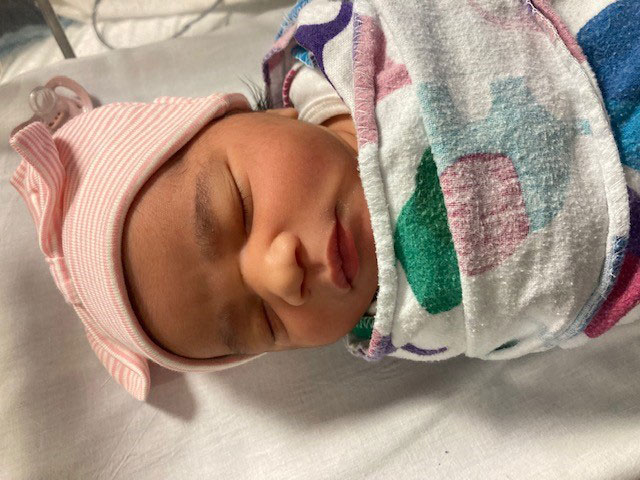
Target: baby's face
[256,238]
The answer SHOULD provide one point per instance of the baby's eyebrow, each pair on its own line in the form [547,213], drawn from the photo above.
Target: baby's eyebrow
[206,224]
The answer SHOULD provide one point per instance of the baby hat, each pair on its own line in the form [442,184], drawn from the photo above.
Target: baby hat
[78,185]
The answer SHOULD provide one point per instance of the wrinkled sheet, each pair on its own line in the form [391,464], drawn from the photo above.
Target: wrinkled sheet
[148,21]
[312,414]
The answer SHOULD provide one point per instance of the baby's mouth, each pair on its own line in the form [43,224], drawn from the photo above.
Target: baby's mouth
[342,257]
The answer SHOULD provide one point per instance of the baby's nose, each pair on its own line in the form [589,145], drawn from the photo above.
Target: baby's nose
[282,274]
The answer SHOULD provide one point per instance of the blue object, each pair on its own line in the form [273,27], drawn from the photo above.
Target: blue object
[611,42]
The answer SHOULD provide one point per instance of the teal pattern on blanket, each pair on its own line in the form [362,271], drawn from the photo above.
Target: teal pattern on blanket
[424,245]
[364,328]
[518,127]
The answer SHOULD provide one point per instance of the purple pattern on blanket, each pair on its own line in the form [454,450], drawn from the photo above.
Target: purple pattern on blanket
[634,230]
[291,17]
[411,348]
[379,346]
[315,37]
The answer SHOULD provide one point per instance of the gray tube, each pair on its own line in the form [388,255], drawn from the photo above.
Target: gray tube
[55,27]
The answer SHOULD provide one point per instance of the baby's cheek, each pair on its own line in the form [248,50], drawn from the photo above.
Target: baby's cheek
[321,327]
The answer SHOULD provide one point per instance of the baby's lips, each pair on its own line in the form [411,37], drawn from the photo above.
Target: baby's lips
[348,253]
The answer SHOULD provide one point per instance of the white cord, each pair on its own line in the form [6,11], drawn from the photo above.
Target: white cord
[187,26]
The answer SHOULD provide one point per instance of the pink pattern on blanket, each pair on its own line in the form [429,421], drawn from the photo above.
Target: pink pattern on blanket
[375,75]
[525,22]
[521,21]
[569,40]
[486,210]
[390,76]
[624,296]
[626,291]
[364,46]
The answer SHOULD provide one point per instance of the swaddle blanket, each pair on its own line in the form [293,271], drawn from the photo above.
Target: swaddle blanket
[498,201]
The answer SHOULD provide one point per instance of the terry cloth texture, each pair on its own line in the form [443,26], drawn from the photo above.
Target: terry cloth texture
[498,201]
[611,42]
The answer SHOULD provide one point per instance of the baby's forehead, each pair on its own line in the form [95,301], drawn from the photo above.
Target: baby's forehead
[194,153]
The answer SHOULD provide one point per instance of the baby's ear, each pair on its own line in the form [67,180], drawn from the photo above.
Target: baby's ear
[288,112]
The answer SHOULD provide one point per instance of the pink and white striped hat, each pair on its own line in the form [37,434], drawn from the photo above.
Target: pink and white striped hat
[78,185]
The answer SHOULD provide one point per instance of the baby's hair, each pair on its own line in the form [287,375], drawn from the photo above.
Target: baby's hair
[259,95]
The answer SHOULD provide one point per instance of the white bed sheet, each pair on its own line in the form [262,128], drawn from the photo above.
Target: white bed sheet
[317,414]
[148,21]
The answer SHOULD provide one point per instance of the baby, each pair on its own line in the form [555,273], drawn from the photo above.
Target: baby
[261,221]
[453,188]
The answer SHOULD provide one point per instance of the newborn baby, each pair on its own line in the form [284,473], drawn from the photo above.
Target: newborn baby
[451,188]
[262,222]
